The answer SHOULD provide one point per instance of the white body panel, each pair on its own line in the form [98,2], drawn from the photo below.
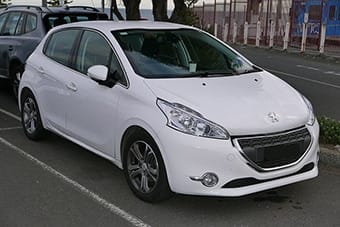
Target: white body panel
[96,117]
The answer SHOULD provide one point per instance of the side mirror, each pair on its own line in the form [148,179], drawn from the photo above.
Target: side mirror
[98,73]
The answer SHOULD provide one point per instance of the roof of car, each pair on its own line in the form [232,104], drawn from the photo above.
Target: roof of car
[119,25]
[40,9]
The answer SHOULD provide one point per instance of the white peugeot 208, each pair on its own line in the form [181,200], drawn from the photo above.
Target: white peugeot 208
[177,109]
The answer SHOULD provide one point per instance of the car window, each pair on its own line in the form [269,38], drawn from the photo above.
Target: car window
[53,20]
[11,23]
[60,45]
[20,25]
[93,50]
[116,70]
[2,20]
[31,23]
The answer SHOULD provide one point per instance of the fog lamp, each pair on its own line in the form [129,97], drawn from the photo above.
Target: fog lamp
[207,179]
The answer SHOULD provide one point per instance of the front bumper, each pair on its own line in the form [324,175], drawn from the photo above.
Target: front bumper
[188,156]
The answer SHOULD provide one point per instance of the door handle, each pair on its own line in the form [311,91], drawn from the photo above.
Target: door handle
[71,86]
[41,70]
[10,48]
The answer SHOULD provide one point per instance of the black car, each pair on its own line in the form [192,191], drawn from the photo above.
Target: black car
[23,27]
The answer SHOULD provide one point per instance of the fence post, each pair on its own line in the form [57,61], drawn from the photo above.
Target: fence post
[272,33]
[323,38]
[304,37]
[234,32]
[286,37]
[245,37]
[215,29]
[258,33]
[225,32]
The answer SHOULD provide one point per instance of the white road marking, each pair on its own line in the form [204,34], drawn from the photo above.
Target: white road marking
[303,78]
[10,128]
[104,203]
[308,67]
[332,73]
[10,114]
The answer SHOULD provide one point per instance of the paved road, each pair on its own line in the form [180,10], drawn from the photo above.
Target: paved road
[318,79]
[57,183]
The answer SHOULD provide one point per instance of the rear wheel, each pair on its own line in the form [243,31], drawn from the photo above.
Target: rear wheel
[30,117]
[144,168]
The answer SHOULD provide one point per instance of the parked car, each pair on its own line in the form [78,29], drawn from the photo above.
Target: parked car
[175,108]
[23,27]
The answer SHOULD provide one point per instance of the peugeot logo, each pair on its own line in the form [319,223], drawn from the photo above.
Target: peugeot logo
[273,117]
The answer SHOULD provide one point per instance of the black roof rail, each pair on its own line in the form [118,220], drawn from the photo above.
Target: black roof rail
[82,7]
[38,8]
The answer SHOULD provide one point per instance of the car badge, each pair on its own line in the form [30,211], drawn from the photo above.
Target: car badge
[273,117]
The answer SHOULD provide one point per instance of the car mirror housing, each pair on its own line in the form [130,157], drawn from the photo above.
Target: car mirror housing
[98,73]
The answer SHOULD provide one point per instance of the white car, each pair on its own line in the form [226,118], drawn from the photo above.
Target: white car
[177,109]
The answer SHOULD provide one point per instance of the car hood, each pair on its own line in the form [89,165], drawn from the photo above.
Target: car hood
[244,104]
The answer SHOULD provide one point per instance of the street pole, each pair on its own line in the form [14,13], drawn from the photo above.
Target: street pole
[44,3]
[321,22]
[214,19]
[229,19]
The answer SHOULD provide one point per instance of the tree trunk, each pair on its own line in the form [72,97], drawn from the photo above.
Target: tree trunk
[103,5]
[132,9]
[159,10]
[114,9]
[180,7]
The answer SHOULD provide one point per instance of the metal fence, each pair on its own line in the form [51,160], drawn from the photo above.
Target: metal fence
[280,23]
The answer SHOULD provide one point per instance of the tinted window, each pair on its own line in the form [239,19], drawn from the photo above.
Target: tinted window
[93,50]
[2,20]
[314,12]
[31,23]
[53,20]
[11,23]
[20,25]
[116,71]
[332,13]
[60,46]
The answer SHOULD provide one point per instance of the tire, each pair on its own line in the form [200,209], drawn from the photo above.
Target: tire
[144,168]
[16,74]
[30,117]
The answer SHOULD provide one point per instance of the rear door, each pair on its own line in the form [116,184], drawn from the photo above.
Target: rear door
[7,41]
[54,73]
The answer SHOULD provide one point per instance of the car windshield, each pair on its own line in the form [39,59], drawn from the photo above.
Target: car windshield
[179,53]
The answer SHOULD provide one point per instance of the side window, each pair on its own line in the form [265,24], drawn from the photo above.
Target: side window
[20,25]
[11,23]
[60,46]
[31,23]
[2,21]
[332,13]
[93,50]
[116,70]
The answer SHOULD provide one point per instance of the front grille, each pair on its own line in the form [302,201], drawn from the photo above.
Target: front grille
[275,150]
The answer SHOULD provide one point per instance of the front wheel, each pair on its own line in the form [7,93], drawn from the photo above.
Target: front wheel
[144,168]
[30,117]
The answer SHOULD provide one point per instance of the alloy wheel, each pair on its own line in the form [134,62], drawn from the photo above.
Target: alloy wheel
[143,168]
[30,115]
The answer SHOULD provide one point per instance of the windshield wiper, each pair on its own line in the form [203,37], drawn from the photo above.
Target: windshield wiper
[210,74]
